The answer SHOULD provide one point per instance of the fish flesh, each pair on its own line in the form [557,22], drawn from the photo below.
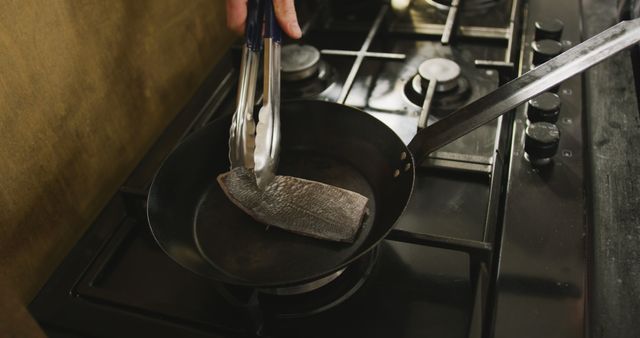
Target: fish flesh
[301,206]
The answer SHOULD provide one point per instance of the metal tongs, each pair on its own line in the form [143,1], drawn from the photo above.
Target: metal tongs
[257,146]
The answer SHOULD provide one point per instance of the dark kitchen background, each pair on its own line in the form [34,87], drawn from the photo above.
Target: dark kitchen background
[498,240]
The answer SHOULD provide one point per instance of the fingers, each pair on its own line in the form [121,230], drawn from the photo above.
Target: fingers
[285,13]
[287,18]
[236,15]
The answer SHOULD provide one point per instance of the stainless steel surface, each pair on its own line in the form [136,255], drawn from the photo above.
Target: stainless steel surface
[546,76]
[401,110]
[267,148]
[241,133]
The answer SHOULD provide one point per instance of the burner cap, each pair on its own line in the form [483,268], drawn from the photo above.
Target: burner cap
[299,62]
[454,84]
[444,71]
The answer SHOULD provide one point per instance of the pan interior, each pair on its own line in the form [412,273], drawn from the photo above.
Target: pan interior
[248,250]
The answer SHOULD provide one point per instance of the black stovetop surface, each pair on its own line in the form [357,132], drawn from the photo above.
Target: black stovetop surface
[441,272]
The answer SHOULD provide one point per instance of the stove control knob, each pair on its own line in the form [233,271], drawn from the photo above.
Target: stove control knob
[544,50]
[548,29]
[541,141]
[544,108]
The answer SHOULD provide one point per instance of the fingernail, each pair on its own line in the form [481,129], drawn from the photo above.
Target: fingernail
[294,28]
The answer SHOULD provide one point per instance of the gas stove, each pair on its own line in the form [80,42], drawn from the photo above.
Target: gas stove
[494,241]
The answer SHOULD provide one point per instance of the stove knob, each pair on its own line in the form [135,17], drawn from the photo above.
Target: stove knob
[544,50]
[541,141]
[544,108]
[549,29]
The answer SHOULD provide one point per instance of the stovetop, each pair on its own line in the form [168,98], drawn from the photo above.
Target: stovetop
[491,243]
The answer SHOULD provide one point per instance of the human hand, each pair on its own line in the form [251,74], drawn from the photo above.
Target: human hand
[285,14]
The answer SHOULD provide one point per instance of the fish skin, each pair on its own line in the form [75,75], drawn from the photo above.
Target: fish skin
[301,206]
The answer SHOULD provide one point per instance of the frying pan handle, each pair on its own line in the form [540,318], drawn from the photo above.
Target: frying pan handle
[534,82]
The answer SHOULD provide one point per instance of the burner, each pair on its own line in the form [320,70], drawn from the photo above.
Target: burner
[469,5]
[304,74]
[444,71]
[303,288]
[452,89]
[336,290]
[299,62]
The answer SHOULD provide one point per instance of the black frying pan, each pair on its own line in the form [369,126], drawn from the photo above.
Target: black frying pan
[195,221]
[197,226]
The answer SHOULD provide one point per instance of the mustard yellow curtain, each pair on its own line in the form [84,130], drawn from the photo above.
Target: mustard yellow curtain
[86,86]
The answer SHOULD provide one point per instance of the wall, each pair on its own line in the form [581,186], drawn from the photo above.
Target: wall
[86,86]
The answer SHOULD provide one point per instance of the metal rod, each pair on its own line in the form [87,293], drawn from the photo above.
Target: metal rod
[507,65]
[506,70]
[467,158]
[479,275]
[430,29]
[507,97]
[391,56]
[450,23]
[512,31]
[442,242]
[453,165]
[493,64]
[361,55]
[426,105]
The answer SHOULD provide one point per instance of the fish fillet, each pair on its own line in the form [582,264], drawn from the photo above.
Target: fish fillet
[304,207]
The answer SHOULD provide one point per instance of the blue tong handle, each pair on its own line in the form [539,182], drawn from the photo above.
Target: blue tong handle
[253,28]
[261,12]
[271,27]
